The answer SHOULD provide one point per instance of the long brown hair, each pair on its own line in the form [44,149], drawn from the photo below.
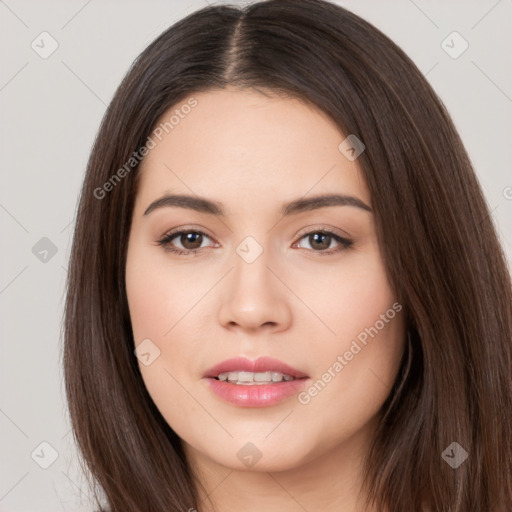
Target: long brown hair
[438,244]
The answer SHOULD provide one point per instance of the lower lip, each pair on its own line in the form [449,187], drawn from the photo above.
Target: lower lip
[258,395]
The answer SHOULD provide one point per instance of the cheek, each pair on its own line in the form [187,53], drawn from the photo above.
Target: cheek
[346,298]
[158,300]
[163,304]
[355,367]
[159,296]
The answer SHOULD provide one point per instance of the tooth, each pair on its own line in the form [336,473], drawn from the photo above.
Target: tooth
[245,377]
[263,377]
[251,378]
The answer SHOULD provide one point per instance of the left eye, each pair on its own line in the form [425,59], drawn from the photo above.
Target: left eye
[322,240]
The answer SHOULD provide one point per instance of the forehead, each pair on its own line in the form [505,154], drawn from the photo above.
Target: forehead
[243,145]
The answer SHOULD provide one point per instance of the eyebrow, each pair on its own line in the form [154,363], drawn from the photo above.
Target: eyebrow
[203,205]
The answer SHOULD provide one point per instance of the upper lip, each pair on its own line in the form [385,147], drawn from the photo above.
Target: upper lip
[262,364]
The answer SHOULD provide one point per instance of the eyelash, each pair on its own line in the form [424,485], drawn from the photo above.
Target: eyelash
[165,242]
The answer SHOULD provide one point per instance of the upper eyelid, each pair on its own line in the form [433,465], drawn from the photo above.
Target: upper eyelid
[314,229]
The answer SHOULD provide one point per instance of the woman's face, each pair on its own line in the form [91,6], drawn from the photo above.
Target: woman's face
[267,272]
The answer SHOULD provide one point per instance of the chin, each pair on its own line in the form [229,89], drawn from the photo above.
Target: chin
[259,456]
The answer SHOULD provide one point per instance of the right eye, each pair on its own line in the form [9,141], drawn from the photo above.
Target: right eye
[190,241]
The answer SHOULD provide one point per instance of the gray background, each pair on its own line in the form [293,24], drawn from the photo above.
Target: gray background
[51,109]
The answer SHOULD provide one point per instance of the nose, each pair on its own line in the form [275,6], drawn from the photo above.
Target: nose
[253,297]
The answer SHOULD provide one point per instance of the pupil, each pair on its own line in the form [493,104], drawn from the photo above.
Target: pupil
[325,240]
[193,238]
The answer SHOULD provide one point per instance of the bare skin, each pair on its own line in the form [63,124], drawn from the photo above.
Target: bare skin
[253,153]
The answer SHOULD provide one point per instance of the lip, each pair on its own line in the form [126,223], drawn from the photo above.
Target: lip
[261,395]
[262,364]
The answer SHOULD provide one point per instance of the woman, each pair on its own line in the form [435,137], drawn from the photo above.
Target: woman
[285,289]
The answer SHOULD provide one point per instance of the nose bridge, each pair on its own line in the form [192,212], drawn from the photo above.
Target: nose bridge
[251,274]
[250,250]
[254,296]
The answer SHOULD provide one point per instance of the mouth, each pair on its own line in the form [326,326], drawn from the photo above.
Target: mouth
[260,383]
[246,372]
